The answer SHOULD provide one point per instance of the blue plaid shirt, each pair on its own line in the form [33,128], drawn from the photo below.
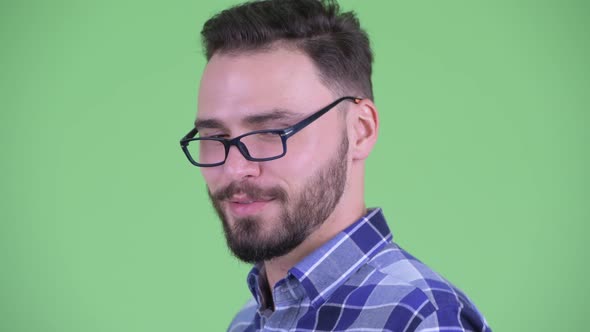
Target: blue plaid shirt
[359,281]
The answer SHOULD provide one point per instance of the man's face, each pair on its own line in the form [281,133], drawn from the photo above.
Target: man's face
[269,208]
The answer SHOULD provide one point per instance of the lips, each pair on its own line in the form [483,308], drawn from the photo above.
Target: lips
[246,199]
[243,206]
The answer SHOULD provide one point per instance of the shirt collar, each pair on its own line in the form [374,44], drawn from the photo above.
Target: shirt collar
[329,266]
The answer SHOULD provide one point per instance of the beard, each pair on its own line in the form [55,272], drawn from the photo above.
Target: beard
[301,214]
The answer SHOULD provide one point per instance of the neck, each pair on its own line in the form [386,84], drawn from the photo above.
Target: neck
[349,210]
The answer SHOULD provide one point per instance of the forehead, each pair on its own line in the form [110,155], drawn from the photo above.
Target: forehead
[237,85]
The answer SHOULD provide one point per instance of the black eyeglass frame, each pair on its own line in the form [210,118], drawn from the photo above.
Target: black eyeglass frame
[284,133]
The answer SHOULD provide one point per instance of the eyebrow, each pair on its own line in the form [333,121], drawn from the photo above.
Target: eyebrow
[273,115]
[250,120]
[208,124]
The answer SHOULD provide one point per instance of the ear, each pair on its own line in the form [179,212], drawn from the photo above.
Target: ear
[365,126]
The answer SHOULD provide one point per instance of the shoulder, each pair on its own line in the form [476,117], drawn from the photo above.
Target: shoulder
[398,269]
[418,293]
[244,319]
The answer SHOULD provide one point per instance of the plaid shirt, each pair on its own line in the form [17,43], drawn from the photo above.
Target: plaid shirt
[359,281]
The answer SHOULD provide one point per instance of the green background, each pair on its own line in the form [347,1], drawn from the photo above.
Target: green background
[481,165]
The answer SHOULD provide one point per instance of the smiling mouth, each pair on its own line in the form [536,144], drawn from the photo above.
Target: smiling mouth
[244,199]
[245,206]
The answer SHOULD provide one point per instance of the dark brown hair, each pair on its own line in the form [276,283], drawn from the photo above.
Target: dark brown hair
[333,39]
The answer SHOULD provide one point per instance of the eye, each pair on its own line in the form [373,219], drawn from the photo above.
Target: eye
[213,135]
[279,126]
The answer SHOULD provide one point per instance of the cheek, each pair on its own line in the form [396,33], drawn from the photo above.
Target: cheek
[307,151]
[211,175]
[301,162]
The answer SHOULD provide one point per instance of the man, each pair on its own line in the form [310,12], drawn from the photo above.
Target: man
[286,120]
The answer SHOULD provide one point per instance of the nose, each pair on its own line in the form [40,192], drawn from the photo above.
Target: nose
[237,167]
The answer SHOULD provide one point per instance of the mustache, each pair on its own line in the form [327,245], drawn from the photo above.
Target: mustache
[251,190]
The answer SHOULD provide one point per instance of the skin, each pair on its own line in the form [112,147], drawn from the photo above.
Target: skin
[237,86]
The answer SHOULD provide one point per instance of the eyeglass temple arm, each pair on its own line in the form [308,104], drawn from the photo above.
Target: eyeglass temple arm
[291,131]
[190,135]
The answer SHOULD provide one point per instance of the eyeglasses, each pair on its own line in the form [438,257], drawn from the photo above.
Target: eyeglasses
[259,145]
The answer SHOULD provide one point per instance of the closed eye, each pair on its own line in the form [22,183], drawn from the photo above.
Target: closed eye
[277,126]
[214,136]
[268,133]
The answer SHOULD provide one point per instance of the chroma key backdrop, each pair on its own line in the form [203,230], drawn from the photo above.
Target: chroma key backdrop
[481,165]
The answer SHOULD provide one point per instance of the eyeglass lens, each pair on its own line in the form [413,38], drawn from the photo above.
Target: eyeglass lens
[258,146]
